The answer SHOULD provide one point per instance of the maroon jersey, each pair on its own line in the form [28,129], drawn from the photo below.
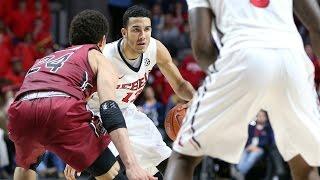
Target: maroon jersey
[66,71]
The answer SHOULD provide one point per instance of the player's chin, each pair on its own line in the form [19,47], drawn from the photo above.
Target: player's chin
[141,50]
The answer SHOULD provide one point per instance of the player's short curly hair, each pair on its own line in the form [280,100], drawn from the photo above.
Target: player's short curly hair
[135,11]
[88,27]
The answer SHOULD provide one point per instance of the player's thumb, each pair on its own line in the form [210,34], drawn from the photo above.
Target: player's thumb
[78,174]
[152,178]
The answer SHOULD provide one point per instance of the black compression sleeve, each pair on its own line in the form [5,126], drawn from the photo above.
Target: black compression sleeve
[111,116]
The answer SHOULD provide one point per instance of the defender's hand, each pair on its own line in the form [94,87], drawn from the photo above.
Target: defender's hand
[137,173]
[70,173]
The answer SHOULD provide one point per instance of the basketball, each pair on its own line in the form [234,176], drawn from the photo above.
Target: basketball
[173,121]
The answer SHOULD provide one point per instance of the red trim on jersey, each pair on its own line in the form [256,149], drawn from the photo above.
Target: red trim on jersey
[260,3]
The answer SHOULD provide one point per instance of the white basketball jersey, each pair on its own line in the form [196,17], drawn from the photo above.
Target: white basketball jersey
[131,80]
[252,23]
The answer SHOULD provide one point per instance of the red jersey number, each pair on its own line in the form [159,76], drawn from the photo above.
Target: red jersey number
[260,3]
[130,98]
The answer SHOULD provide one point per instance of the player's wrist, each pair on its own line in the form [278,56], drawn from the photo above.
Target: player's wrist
[130,164]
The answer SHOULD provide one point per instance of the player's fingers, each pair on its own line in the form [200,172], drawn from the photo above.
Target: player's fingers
[73,174]
[67,173]
[152,178]
[183,106]
[70,173]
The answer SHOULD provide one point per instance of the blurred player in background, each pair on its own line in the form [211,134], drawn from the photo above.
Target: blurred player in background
[261,64]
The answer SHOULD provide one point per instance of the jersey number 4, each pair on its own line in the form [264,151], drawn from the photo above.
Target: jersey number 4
[51,62]
[260,3]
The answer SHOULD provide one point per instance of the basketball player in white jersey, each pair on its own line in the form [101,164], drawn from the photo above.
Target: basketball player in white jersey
[134,56]
[261,64]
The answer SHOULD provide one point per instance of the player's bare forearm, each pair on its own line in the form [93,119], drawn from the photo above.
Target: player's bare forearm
[308,12]
[120,139]
[204,49]
[185,91]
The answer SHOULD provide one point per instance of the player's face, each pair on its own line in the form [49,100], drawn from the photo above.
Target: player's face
[261,117]
[138,33]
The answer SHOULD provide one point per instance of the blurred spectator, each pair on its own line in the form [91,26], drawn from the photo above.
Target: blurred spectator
[43,40]
[4,158]
[5,50]
[157,20]
[179,15]
[25,51]
[41,11]
[6,6]
[21,21]
[16,75]
[169,33]
[260,138]
[51,166]
[184,41]
[191,71]
[153,109]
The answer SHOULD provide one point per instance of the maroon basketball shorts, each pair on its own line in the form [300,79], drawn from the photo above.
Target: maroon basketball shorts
[57,124]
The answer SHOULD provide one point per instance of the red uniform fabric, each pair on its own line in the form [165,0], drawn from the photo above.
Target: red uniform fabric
[57,124]
[66,71]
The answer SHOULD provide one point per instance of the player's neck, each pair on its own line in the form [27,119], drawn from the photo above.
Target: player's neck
[128,52]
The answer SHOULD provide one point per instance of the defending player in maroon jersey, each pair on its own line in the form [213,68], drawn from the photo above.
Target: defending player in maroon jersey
[49,111]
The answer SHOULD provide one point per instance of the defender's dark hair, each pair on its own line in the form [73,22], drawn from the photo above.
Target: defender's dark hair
[135,11]
[88,27]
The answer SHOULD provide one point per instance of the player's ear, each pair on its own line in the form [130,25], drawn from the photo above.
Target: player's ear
[102,42]
[124,32]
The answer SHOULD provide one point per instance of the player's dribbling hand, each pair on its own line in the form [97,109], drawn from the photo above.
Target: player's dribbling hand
[137,173]
[70,173]
[185,106]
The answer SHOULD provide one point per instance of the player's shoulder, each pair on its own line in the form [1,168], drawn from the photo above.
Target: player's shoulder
[110,48]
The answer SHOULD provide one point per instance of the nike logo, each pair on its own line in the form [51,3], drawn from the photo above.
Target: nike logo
[121,77]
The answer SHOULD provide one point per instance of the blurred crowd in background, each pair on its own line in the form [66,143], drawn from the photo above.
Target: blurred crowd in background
[31,29]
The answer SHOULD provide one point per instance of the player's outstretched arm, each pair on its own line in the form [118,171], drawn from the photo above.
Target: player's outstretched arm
[111,116]
[308,12]
[180,86]
[202,42]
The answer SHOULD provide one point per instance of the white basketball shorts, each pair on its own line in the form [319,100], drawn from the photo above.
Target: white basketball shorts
[243,82]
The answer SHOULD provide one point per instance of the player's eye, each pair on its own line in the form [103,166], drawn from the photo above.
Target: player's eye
[135,29]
